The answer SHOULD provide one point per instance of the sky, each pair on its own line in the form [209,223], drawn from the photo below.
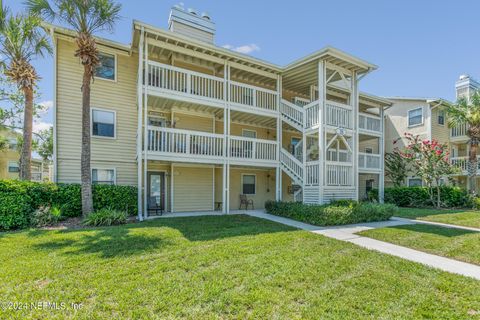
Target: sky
[420,47]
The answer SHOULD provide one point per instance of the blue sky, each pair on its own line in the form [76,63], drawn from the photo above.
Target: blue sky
[420,47]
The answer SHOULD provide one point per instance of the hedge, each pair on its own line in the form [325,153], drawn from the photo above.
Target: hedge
[334,214]
[451,197]
[19,199]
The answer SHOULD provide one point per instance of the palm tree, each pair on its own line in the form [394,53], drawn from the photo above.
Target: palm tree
[466,111]
[22,40]
[85,17]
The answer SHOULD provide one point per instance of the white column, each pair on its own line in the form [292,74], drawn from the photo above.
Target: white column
[145,137]
[322,88]
[278,179]
[355,106]
[227,122]
[139,125]
[381,180]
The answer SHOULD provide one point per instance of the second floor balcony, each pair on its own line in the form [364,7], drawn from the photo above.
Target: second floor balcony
[211,90]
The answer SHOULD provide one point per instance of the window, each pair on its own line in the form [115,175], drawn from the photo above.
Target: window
[414,182]
[249,133]
[248,184]
[13,166]
[12,143]
[106,67]
[103,123]
[441,117]
[368,150]
[103,176]
[415,117]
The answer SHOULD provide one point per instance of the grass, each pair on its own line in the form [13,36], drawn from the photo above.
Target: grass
[452,243]
[227,267]
[461,217]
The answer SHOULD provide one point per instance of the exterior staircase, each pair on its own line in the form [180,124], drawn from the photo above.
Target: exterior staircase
[292,114]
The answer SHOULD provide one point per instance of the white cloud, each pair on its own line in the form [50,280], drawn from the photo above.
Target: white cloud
[40,125]
[247,48]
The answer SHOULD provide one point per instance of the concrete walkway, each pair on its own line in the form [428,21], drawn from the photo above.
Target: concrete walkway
[348,233]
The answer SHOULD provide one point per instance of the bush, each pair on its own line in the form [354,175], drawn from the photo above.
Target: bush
[19,200]
[451,197]
[45,216]
[106,217]
[15,211]
[337,213]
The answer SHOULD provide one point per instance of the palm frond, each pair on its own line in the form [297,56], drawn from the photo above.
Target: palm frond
[41,8]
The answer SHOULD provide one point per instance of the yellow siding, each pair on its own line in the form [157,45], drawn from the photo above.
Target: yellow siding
[193,188]
[286,182]
[119,96]
[439,132]
[193,122]
[370,143]
[265,187]
[287,139]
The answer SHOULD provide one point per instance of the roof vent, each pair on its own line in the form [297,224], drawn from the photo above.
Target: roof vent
[189,23]
[192,11]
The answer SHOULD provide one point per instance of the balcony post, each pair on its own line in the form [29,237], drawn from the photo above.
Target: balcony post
[278,180]
[322,88]
[145,137]
[139,125]
[354,103]
[381,180]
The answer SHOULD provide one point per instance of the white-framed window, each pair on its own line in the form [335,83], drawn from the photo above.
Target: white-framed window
[415,182]
[441,117]
[103,123]
[368,150]
[249,184]
[107,66]
[415,117]
[13,166]
[13,143]
[249,133]
[156,121]
[104,176]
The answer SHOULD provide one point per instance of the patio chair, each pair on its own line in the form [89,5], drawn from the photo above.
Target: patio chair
[244,201]
[153,206]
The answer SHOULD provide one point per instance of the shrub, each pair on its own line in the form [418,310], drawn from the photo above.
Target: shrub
[45,216]
[15,209]
[451,197]
[337,213]
[106,217]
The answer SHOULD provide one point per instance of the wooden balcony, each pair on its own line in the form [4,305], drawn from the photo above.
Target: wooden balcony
[369,124]
[182,84]
[459,133]
[203,147]
[462,164]
[368,162]
[336,115]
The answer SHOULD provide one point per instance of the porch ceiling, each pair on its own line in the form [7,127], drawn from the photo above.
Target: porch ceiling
[167,105]
[249,118]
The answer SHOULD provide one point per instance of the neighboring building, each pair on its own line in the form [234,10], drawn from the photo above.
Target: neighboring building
[427,117]
[9,160]
[195,125]
[464,88]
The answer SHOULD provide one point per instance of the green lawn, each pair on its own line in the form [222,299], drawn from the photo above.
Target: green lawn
[461,217]
[452,243]
[227,267]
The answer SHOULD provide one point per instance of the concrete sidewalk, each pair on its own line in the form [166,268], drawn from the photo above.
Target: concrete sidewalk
[348,233]
[440,224]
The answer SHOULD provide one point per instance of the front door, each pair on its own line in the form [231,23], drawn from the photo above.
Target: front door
[156,190]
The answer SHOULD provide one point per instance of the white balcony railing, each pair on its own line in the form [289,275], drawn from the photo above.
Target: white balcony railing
[460,131]
[340,156]
[368,161]
[248,95]
[253,149]
[338,115]
[369,123]
[36,176]
[462,163]
[311,114]
[178,80]
[339,174]
[185,142]
[311,173]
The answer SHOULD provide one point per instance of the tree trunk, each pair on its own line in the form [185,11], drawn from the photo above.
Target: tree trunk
[26,154]
[87,199]
[473,166]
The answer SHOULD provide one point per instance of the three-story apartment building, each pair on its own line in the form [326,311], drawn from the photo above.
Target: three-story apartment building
[197,127]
